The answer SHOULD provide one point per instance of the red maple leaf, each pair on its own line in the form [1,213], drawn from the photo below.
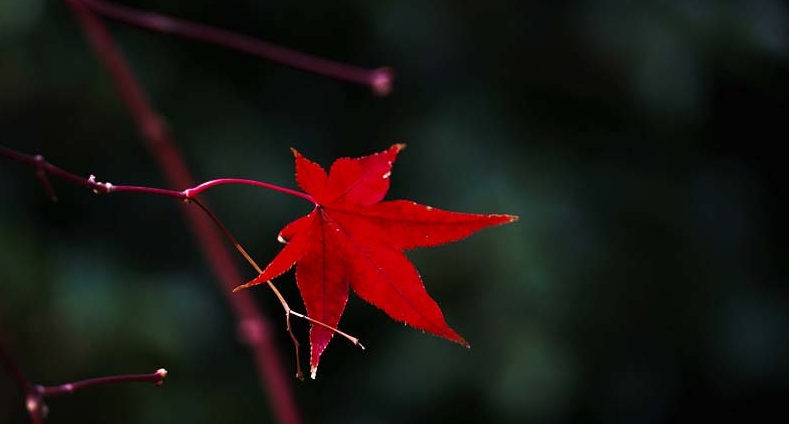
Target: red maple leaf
[352,239]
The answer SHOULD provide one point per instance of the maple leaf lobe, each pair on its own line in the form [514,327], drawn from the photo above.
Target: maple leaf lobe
[354,240]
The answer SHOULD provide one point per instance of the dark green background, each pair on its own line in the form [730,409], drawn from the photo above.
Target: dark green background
[639,142]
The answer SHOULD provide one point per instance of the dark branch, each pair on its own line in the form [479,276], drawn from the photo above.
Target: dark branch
[157,378]
[35,394]
[379,80]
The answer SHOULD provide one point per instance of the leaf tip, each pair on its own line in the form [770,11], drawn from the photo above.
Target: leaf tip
[461,341]
[241,287]
[398,147]
[313,372]
[295,152]
[512,218]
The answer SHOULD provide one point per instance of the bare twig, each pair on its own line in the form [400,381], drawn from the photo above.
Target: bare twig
[157,378]
[43,168]
[379,80]
[41,173]
[35,395]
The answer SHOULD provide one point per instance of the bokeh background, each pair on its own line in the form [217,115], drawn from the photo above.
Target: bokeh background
[639,142]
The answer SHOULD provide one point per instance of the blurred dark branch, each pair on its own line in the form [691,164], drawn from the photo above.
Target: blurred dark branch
[35,394]
[253,326]
[379,80]
[32,402]
[14,370]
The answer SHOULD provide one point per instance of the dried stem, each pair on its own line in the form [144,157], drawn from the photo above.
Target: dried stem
[288,310]
[379,80]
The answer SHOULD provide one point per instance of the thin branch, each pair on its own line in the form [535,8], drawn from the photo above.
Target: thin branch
[35,394]
[187,195]
[213,183]
[157,378]
[33,402]
[43,168]
[379,80]
[14,370]
[41,173]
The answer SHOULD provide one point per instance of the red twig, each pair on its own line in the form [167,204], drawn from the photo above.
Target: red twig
[253,325]
[36,394]
[379,80]
[157,378]
[213,183]
[44,168]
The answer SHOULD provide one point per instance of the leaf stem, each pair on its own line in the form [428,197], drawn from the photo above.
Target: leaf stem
[379,80]
[288,310]
[213,183]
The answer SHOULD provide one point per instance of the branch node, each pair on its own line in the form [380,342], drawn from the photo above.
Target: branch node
[93,183]
[41,173]
[162,373]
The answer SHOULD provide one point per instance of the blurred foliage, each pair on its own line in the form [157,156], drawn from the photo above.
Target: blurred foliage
[645,282]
